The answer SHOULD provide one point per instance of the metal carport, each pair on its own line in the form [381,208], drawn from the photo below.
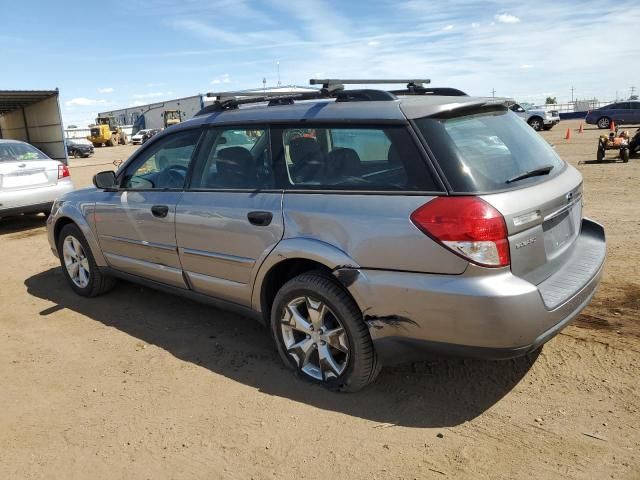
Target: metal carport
[33,116]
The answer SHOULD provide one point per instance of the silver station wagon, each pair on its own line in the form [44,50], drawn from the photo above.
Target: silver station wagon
[363,227]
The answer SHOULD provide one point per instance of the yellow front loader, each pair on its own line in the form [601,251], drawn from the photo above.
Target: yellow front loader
[172,117]
[106,132]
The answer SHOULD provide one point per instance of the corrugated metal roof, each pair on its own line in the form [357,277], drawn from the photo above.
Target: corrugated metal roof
[11,100]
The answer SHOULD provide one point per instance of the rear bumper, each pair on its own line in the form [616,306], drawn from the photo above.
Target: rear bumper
[32,200]
[481,313]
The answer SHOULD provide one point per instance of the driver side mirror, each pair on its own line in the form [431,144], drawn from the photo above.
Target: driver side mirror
[105,180]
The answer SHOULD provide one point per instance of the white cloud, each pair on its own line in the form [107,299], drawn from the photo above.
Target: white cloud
[526,66]
[447,28]
[154,84]
[151,95]
[210,32]
[106,90]
[224,78]
[506,18]
[475,24]
[83,102]
[373,43]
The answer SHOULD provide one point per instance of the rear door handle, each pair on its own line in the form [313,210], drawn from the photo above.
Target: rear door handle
[160,211]
[260,219]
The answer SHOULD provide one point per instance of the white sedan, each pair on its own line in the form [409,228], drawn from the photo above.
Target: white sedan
[138,138]
[29,180]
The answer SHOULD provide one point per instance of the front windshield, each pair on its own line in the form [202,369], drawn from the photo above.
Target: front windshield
[20,152]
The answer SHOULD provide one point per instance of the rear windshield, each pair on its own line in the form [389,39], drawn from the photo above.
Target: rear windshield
[488,150]
[20,152]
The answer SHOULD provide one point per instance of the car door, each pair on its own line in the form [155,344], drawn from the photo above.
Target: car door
[621,113]
[230,216]
[136,222]
[634,113]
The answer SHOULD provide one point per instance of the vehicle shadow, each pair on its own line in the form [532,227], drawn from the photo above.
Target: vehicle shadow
[22,223]
[443,392]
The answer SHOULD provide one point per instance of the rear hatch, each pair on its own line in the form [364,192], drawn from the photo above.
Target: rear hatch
[23,166]
[490,153]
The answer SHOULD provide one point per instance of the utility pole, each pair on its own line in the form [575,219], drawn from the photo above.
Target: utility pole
[572,89]
[493,92]
[633,89]
[278,66]
[264,83]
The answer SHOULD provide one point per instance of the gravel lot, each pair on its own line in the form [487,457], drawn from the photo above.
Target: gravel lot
[141,385]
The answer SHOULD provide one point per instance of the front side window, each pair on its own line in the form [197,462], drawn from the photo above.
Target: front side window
[350,158]
[234,158]
[489,150]
[164,165]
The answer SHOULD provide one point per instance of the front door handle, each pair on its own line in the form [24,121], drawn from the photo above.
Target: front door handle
[160,211]
[260,219]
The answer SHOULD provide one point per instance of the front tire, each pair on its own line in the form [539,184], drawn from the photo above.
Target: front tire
[604,122]
[320,333]
[536,123]
[78,264]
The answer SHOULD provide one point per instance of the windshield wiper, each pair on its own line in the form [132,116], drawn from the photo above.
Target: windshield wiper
[544,170]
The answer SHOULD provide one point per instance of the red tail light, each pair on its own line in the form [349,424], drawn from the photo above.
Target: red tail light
[63,171]
[468,226]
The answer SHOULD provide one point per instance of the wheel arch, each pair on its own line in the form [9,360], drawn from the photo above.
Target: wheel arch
[68,214]
[293,257]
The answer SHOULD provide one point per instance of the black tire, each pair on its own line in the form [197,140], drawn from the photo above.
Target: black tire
[536,123]
[603,123]
[99,283]
[76,154]
[601,153]
[362,366]
[97,145]
[624,155]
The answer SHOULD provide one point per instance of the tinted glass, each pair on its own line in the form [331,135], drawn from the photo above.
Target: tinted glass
[164,165]
[234,158]
[485,150]
[620,106]
[635,105]
[19,152]
[348,158]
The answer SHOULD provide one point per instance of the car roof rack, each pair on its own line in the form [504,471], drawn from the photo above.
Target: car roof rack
[416,90]
[331,88]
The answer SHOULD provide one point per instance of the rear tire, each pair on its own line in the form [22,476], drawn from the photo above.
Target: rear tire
[75,256]
[601,153]
[624,155]
[338,352]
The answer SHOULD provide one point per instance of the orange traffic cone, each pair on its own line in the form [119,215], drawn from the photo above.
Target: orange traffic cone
[613,126]
[568,135]
[581,129]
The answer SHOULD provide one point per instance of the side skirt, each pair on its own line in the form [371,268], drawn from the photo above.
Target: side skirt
[191,295]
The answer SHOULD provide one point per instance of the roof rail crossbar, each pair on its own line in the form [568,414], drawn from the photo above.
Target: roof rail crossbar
[416,90]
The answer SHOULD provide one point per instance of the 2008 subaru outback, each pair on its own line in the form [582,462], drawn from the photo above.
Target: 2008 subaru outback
[363,227]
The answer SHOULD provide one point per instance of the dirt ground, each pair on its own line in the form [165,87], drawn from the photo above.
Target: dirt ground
[141,385]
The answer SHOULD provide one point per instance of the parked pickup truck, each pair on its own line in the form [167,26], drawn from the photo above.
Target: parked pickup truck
[537,118]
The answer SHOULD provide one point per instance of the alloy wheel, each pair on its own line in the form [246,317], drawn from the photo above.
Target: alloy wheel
[314,338]
[76,261]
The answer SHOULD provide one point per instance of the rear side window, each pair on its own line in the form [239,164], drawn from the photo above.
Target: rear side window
[353,158]
[487,150]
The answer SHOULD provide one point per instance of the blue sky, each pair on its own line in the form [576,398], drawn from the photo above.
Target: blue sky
[104,55]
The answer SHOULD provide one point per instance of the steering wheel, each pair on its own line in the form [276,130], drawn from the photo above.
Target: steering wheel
[172,177]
